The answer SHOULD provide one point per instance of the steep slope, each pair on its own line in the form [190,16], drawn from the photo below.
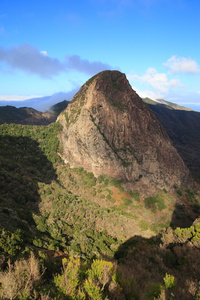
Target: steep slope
[107,129]
[25,116]
[57,108]
[183,127]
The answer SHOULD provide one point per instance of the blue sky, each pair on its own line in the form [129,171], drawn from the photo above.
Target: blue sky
[48,47]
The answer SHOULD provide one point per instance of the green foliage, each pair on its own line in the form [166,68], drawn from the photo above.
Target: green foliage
[179,192]
[126,201]
[157,227]
[144,226]
[154,291]
[81,281]
[170,281]
[154,203]
[100,271]
[184,234]
[68,282]
[101,178]
[93,291]
[11,242]
[117,183]
[135,195]
[52,207]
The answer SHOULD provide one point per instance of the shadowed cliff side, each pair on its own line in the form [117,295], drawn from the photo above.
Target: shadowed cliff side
[183,127]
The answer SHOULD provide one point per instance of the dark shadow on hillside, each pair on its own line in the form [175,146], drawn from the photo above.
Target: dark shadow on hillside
[183,215]
[183,127]
[143,263]
[22,166]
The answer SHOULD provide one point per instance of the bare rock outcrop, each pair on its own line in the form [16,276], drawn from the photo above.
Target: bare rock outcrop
[108,129]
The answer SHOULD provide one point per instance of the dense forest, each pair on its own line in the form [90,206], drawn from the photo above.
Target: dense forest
[65,234]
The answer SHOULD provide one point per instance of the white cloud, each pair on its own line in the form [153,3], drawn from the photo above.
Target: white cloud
[44,53]
[17,97]
[158,81]
[148,94]
[182,65]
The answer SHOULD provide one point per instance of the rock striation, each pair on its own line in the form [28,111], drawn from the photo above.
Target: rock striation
[108,129]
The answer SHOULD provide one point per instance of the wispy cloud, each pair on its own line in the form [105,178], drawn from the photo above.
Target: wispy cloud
[182,65]
[148,94]
[29,59]
[17,97]
[44,53]
[158,81]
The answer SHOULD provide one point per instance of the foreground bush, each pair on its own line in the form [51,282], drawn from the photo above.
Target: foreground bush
[81,281]
[19,280]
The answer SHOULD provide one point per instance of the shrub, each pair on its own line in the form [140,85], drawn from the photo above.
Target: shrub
[170,281]
[11,243]
[93,291]
[135,195]
[155,202]
[101,178]
[68,281]
[183,234]
[126,201]
[117,183]
[154,291]
[19,280]
[99,275]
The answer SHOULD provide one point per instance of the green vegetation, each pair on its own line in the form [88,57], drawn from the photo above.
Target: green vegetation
[155,203]
[170,281]
[83,237]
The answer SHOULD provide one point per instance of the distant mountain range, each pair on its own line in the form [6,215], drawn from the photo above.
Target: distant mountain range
[168,104]
[30,116]
[41,103]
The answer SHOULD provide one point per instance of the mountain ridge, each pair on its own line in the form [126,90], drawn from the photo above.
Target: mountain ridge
[29,115]
[170,105]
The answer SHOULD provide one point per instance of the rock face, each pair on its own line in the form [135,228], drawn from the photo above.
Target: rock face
[107,129]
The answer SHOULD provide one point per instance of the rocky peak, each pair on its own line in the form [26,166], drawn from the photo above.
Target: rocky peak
[108,129]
